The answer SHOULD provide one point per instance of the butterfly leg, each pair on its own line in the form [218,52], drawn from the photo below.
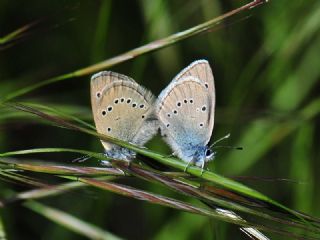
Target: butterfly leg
[82,159]
[171,155]
[202,167]
[189,163]
[129,165]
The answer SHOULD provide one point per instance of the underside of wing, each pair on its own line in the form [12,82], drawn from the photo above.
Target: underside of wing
[123,111]
[101,80]
[186,113]
[201,70]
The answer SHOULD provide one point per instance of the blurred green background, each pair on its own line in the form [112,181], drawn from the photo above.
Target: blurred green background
[267,69]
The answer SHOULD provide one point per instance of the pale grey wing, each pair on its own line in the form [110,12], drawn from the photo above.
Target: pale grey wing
[201,70]
[124,111]
[184,111]
[98,83]
[101,80]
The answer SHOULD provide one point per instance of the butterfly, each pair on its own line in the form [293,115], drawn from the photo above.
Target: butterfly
[124,110]
[185,110]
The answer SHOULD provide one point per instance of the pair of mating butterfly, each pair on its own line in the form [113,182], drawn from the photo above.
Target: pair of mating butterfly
[184,112]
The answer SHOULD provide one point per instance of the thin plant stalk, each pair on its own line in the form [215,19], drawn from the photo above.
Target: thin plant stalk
[150,47]
[169,161]
[70,222]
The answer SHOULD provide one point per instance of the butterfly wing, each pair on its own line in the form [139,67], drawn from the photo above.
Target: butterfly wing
[122,109]
[101,80]
[185,110]
[201,70]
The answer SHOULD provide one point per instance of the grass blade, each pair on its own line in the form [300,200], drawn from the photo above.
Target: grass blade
[57,169]
[70,222]
[22,179]
[150,47]
[168,161]
[169,202]
[2,231]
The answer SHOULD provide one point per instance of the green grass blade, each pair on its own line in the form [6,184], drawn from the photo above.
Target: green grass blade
[22,179]
[154,198]
[169,202]
[45,192]
[2,231]
[70,222]
[150,47]
[168,161]
[208,194]
[59,189]
[54,150]
[49,191]
[176,227]
[159,22]
[100,38]
[264,132]
[42,167]
[60,113]
[301,168]
[15,35]
[138,171]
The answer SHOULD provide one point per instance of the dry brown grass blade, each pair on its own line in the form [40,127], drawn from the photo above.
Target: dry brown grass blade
[150,47]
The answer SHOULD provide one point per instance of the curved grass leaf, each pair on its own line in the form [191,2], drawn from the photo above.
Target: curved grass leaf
[157,199]
[168,161]
[57,169]
[150,47]
[268,135]
[177,185]
[226,199]
[60,113]
[70,222]
[23,179]
[8,40]
[174,184]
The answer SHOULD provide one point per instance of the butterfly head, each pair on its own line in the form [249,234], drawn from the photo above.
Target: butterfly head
[209,154]
[202,155]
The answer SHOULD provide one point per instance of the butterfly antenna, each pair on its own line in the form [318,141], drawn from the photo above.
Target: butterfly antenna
[220,139]
[213,145]
[232,147]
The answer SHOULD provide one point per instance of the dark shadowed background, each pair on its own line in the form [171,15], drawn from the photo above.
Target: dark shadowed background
[267,70]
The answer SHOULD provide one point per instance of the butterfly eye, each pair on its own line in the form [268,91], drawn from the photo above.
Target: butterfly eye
[206,84]
[103,112]
[98,94]
[208,153]
[203,108]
